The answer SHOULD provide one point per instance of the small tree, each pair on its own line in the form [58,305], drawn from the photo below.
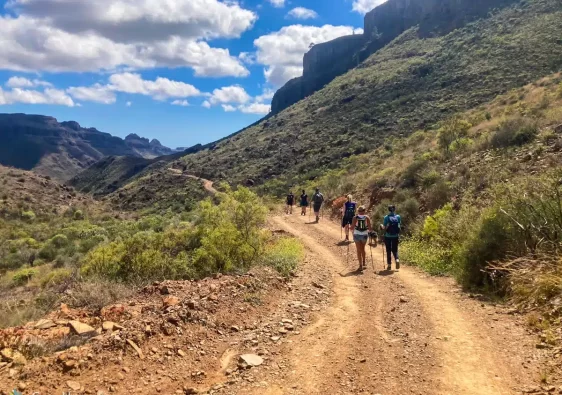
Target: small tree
[453,130]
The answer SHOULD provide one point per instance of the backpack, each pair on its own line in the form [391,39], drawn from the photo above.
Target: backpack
[393,225]
[349,209]
[317,198]
[361,224]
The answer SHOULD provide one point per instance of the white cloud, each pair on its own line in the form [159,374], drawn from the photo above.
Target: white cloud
[71,35]
[182,103]
[229,94]
[95,93]
[228,108]
[302,13]
[21,82]
[206,104]
[266,95]
[24,96]
[282,51]
[129,104]
[364,6]
[255,108]
[278,3]
[160,89]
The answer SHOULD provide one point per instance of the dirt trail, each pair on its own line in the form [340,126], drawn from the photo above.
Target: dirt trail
[207,184]
[401,332]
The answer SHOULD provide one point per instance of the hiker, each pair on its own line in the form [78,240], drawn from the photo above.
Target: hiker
[392,225]
[290,202]
[348,213]
[361,228]
[317,200]
[304,202]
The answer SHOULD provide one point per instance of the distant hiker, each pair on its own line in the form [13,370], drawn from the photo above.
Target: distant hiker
[304,202]
[348,213]
[392,225]
[290,202]
[361,228]
[317,200]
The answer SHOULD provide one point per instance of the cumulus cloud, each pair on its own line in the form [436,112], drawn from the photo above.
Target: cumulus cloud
[25,96]
[278,3]
[282,51]
[160,89]
[181,103]
[229,94]
[21,82]
[96,93]
[70,35]
[206,104]
[255,108]
[364,6]
[228,108]
[302,13]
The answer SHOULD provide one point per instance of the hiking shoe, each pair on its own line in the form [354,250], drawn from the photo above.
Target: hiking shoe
[398,264]
[346,238]
[389,268]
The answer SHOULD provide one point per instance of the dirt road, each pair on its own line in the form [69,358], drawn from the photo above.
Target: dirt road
[399,333]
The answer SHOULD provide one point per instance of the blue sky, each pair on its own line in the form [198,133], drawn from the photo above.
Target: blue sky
[181,71]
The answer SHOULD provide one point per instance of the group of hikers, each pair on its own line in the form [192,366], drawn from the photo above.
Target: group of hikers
[354,218]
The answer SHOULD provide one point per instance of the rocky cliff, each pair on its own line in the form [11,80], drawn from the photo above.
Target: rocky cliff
[61,150]
[326,61]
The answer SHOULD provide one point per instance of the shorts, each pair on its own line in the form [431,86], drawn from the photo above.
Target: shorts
[346,221]
[304,204]
[290,203]
[360,238]
[317,207]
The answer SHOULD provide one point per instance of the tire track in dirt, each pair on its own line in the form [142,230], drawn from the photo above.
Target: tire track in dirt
[468,365]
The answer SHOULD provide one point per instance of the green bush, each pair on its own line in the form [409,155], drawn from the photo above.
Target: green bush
[412,174]
[59,241]
[22,276]
[437,196]
[78,215]
[284,255]
[452,131]
[514,132]
[28,216]
[56,277]
[427,256]
[48,252]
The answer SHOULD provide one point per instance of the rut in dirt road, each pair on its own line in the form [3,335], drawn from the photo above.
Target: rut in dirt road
[426,344]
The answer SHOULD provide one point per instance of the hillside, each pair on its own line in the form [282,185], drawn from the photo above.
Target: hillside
[410,84]
[62,150]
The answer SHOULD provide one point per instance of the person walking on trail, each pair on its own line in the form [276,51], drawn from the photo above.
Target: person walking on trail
[317,200]
[304,202]
[361,225]
[392,225]
[348,213]
[290,202]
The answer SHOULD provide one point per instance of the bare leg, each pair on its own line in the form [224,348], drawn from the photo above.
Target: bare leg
[359,254]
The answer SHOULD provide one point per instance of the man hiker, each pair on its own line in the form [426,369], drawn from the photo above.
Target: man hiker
[317,200]
[290,202]
[348,213]
[392,225]
[304,202]
[361,225]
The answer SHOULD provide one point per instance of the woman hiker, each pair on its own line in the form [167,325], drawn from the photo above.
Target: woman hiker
[304,202]
[361,228]
[348,213]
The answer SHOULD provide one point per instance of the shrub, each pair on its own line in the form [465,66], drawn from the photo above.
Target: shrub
[59,241]
[411,176]
[48,252]
[22,276]
[28,216]
[438,195]
[78,215]
[514,132]
[452,131]
[427,256]
[56,277]
[430,178]
[284,255]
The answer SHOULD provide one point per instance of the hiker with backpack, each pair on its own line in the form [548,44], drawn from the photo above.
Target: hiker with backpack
[392,224]
[362,227]
[348,213]
[290,202]
[317,200]
[304,202]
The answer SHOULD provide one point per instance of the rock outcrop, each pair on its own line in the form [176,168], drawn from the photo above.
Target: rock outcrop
[326,61]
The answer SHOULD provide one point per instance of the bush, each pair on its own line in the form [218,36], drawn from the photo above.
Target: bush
[411,176]
[427,256]
[59,241]
[56,277]
[514,132]
[453,130]
[28,216]
[284,255]
[437,196]
[78,215]
[22,276]
[48,252]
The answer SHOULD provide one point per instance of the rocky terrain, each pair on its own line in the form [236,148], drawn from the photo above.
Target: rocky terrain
[63,149]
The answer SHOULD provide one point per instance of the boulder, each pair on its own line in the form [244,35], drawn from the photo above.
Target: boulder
[251,359]
[80,328]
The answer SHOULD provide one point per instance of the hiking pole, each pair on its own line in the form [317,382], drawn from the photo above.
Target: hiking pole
[372,260]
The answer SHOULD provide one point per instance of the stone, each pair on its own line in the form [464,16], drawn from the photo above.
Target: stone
[251,359]
[170,301]
[403,299]
[80,328]
[13,356]
[44,324]
[74,385]
[558,129]
[164,290]
[136,348]
[181,353]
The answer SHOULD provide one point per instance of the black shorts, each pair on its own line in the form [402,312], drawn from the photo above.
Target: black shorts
[346,221]
[317,207]
[290,203]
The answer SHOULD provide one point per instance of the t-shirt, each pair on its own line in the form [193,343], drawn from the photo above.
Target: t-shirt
[290,198]
[392,218]
[304,198]
[349,209]
[318,198]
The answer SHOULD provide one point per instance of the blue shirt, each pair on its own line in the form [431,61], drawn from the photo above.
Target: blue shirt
[387,222]
[349,210]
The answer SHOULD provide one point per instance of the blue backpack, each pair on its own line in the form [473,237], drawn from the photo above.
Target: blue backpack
[393,225]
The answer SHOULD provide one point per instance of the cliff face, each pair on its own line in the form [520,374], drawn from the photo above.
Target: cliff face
[326,61]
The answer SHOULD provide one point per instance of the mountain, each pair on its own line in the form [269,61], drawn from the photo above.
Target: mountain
[63,149]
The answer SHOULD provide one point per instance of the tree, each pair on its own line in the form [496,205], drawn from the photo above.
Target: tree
[453,130]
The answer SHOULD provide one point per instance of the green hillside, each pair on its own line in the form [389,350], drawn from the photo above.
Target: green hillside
[411,84]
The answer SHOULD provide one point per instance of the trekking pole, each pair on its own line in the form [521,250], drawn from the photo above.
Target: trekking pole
[372,260]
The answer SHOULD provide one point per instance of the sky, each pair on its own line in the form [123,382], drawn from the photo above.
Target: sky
[181,71]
